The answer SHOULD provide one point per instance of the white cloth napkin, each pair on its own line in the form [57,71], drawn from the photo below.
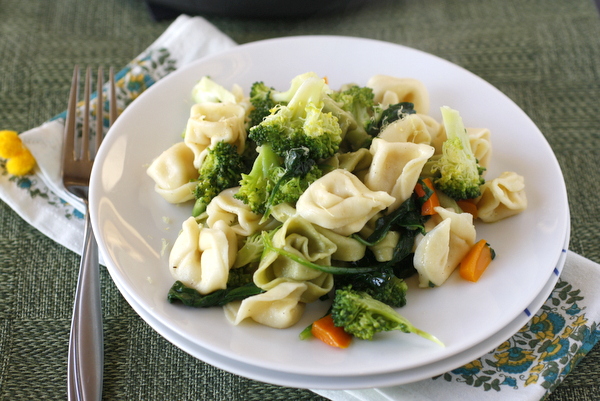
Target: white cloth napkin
[525,367]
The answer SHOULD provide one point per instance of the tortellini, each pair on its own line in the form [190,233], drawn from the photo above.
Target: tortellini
[224,207]
[210,123]
[391,90]
[201,257]
[299,237]
[340,202]
[174,174]
[280,307]
[440,251]
[481,145]
[396,168]
[502,197]
[411,128]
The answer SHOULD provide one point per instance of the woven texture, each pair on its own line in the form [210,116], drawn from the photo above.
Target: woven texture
[545,55]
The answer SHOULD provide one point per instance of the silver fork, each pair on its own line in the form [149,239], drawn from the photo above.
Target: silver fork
[86,348]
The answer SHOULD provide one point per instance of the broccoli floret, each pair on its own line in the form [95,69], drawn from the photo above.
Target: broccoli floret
[301,123]
[362,316]
[256,186]
[261,101]
[274,180]
[293,178]
[458,173]
[358,101]
[250,252]
[220,169]
[382,285]
[383,117]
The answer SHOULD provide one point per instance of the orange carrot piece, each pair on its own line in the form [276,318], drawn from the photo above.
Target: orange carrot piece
[428,206]
[476,261]
[468,206]
[330,334]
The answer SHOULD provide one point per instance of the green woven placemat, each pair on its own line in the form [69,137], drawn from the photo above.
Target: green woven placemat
[544,55]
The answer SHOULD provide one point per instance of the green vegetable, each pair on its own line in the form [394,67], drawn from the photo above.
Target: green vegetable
[298,172]
[301,123]
[221,169]
[407,216]
[274,180]
[298,259]
[383,117]
[358,105]
[363,316]
[261,101]
[358,101]
[250,252]
[458,172]
[382,285]
[179,292]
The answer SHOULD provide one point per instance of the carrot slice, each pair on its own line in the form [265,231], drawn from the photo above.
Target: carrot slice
[468,206]
[476,261]
[330,334]
[428,206]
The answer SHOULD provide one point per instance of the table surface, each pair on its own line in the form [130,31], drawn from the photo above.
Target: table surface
[545,55]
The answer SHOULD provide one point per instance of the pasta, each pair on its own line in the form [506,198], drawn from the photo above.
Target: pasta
[391,90]
[224,207]
[210,123]
[201,257]
[396,168]
[298,236]
[502,197]
[411,128]
[340,202]
[280,307]
[440,251]
[174,174]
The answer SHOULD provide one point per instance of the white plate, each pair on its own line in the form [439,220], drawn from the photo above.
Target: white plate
[359,381]
[128,217]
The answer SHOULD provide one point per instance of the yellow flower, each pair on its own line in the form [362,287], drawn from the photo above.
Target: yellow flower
[10,144]
[20,161]
[21,164]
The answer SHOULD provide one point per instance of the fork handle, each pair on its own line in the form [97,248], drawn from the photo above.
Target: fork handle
[86,349]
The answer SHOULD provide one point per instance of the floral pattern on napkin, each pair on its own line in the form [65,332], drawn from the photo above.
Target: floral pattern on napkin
[543,352]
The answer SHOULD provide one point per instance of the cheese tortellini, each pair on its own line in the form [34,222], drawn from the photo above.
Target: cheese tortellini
[396,168]
[201,257]
[340,202]
[280,307]
[210,123]
[440,251]
[174,174]
[299,237]
[391,90]
[502,197]
[224,207]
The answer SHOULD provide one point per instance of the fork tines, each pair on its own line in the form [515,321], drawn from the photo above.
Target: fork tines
[83,152]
